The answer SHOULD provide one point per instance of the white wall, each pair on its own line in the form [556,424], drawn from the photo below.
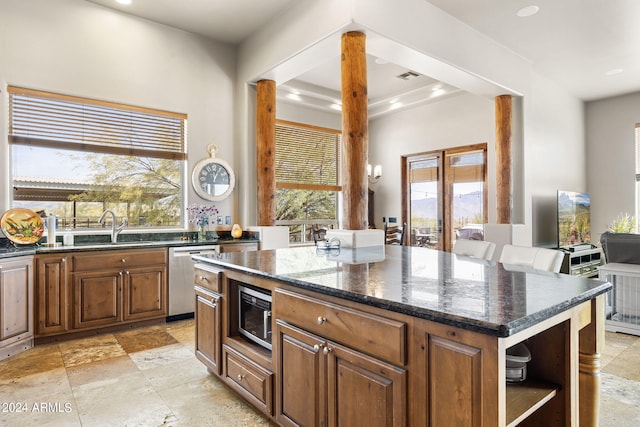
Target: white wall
[78,48]
[611,157]
[554,154]
[461,120]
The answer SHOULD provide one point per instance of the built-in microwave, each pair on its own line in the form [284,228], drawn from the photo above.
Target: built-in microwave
[255,315]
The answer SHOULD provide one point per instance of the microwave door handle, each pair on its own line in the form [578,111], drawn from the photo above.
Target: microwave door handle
[266,319]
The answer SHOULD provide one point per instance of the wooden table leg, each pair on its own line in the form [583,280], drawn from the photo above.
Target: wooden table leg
[591,346]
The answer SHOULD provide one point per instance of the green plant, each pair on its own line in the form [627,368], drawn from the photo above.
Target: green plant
[624,223]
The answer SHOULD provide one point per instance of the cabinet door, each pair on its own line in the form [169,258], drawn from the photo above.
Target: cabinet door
[301,377]
[145,293]
[52,289]
[363,390]
[16,300]
[97,298]
[208,329]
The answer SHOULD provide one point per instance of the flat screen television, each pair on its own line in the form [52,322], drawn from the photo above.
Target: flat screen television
[574,218]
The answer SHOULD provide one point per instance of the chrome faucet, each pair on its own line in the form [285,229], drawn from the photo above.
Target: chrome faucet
[114,230]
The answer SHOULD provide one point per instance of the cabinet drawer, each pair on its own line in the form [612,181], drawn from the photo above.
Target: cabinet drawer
[371,334]
[102,260]
[207,277]
[249,379]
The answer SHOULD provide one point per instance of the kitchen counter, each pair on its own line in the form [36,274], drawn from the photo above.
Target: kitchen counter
[459,291]
[434,325]
[87,243]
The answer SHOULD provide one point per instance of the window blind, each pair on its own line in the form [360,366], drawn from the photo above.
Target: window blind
[307,157]
[67,122]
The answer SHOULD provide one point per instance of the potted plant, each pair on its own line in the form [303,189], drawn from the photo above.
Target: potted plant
[624,223]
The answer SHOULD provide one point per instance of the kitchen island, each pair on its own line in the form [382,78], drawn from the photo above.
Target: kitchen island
[401,336]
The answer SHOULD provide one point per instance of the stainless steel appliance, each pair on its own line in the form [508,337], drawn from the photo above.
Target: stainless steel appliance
[181,294]
[255,315]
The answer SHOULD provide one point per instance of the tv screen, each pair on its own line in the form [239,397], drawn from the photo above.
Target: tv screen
[574,218]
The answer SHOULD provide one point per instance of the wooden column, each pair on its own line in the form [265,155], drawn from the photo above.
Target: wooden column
[355,131]
[503,158]
[266,151]
[591,347]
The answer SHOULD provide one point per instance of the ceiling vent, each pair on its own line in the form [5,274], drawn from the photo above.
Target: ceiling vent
[408,75]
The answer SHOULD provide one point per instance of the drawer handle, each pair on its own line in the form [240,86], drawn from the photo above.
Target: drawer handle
[321,320]
[240,377]
[203,278]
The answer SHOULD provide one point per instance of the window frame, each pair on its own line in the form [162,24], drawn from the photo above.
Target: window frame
[76,124]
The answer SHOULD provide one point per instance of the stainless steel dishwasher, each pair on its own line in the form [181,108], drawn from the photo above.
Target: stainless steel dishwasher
[181,294]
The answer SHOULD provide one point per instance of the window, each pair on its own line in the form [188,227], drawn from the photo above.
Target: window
[307,178]
[76,157]
[638,170]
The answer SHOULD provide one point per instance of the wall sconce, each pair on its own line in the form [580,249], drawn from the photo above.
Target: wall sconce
[375,174]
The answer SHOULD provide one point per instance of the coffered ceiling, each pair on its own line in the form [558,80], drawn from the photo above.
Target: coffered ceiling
[589,47]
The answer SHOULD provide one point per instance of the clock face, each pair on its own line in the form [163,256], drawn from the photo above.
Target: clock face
[213,179]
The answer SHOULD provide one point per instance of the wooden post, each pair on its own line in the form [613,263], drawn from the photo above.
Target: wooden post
[503,158]
[266,151]
[591,346]
[355,131]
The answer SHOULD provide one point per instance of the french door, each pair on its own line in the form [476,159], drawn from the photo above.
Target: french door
[444,196]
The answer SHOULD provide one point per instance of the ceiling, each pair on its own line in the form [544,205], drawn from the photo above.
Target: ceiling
[589,47]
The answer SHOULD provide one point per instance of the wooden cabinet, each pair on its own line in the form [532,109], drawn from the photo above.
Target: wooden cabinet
[208,328]
[328,378]
[145,293]
[119,286]
[208,316]
[97,298]
[249,379]
[79,291]
[16,305]
[52,294]
[238,247]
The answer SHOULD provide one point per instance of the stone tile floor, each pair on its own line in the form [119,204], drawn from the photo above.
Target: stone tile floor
[150,377]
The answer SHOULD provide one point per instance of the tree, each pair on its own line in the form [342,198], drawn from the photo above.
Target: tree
[140,187]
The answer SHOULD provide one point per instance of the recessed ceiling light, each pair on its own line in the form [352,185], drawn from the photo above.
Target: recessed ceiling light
[613,72]
[124,1]
[528,11]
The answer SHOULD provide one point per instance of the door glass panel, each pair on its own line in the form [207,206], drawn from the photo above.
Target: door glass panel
[425,221]
[465,174]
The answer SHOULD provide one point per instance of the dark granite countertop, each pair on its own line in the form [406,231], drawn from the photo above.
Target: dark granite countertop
[100,242]
[464,292]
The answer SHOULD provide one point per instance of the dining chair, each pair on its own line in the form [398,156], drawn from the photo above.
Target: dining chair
[474,248]
[394,234]
[531,258]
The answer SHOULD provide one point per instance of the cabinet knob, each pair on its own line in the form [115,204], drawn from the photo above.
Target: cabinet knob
[240,377]
[316,348]
[123,260]
[321,320]
[326,350]
[64,259]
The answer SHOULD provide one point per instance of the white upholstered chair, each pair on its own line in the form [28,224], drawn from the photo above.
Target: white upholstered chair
[530,258]
[474,248]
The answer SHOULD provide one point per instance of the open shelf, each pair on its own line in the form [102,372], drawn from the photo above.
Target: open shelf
[526,397]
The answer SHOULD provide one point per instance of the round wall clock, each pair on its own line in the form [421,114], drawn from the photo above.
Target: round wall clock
[213,179]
